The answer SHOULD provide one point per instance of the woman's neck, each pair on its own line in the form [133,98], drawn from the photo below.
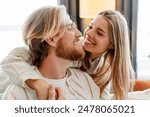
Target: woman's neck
[94,56]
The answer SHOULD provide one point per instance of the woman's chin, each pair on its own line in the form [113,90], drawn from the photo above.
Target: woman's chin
[86,48]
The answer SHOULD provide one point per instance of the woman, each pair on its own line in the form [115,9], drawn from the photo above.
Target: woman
[107,58]
[107,39]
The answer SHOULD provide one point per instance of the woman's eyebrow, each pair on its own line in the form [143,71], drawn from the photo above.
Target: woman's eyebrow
[101,30]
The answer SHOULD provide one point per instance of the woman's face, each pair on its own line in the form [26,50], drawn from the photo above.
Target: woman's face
[96,36]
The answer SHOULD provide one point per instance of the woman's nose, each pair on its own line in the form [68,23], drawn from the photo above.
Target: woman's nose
[90,33]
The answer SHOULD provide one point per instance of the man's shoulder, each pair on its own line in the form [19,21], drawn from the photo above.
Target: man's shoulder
[19,50]
[74,72]
[83,83]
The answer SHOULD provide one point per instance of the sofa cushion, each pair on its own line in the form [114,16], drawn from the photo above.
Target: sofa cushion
[141,85]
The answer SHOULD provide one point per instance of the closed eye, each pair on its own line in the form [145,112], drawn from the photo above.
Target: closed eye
[100,34]
[69,27]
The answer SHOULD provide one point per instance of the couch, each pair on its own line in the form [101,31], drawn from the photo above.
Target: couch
[141,85]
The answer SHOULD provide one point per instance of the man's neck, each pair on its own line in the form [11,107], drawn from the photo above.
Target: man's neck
[54,67]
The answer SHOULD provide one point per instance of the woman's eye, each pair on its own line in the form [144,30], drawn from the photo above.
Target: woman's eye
[100,34]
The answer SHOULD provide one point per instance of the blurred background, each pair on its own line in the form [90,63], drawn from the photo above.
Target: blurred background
[14,12]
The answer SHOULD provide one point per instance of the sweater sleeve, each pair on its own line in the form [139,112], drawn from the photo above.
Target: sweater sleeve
[14,68]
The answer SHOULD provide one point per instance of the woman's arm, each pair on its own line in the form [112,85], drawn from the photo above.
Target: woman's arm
[16,92]
[14,68]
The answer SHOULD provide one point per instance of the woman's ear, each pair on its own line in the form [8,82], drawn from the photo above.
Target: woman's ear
[51,42]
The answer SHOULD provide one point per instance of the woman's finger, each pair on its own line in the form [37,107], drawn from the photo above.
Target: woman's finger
[52,93]
[60,93]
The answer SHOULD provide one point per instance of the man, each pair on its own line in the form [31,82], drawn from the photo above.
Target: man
[53,43]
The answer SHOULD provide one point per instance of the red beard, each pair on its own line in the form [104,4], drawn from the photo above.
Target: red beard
[70,53]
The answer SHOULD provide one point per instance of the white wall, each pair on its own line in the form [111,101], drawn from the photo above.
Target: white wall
[12,15]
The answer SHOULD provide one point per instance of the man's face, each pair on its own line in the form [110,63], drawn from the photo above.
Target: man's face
[68,46]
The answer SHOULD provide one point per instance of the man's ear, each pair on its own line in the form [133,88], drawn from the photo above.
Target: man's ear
[51,42]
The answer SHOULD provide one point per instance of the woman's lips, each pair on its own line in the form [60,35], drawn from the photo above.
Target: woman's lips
[86,41]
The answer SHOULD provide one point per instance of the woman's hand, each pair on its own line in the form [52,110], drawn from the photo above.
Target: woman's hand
[56,93]
[45,91]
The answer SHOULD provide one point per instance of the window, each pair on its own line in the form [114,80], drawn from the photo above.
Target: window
[143,40]
[13,13]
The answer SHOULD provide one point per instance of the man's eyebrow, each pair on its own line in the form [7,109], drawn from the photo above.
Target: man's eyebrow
[72,25]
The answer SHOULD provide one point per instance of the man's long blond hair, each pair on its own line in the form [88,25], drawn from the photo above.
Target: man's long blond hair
[44,23]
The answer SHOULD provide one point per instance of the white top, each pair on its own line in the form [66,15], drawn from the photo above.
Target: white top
[62,83]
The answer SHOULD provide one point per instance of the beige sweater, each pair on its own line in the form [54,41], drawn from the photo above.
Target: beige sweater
[78,85]
[15,69]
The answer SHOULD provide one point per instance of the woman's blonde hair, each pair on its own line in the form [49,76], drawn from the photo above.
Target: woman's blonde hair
[118,57]
[44,23]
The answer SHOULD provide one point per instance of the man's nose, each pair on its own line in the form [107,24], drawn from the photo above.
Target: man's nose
[78,33]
